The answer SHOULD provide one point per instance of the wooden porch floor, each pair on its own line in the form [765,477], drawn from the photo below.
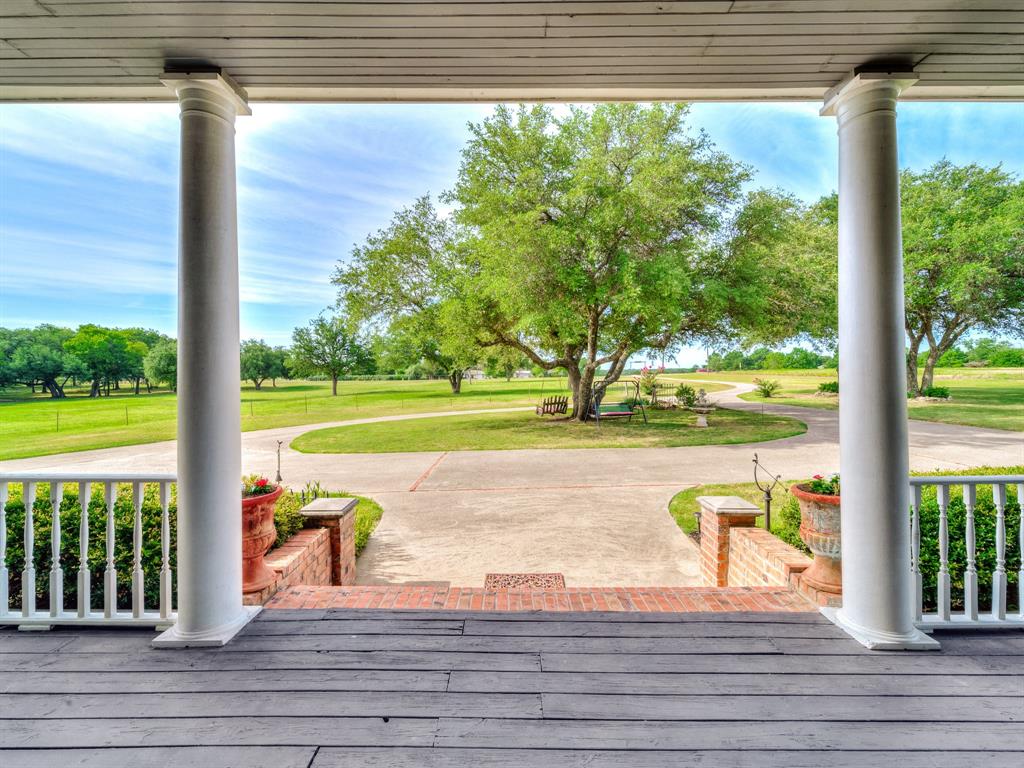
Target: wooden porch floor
[342,688]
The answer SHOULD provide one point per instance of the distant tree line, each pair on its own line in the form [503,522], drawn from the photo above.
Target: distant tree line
[973,353]
[48,357]
[763,358]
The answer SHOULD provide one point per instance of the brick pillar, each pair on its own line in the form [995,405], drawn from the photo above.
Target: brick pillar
[717,515]
[338,516]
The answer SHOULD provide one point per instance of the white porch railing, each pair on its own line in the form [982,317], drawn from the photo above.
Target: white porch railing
[971,615]
[27,614]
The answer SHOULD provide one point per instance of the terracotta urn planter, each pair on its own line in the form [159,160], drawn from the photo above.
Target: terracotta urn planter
[820,531]
[258,535]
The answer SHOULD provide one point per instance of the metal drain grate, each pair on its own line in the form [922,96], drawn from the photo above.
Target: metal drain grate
[524,580]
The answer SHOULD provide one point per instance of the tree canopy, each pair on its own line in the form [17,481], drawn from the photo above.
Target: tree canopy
[579,240]
[963,246]
[325,347]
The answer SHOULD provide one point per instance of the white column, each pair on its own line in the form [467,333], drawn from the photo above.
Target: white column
[210,610]
[873,448]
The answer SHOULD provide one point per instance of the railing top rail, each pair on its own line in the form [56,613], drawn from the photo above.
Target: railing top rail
[966,479]
[88,477]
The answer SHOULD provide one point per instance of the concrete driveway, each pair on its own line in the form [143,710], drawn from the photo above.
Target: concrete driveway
[596,515]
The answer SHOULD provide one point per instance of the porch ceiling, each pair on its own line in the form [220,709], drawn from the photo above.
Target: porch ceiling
[465,50]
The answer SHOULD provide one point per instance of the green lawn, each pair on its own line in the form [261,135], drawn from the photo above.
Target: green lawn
[38,425]
[980,397]
[527,430]
[684,507]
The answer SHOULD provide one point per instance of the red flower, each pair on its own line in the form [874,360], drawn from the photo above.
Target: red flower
[262,482]
[818,477]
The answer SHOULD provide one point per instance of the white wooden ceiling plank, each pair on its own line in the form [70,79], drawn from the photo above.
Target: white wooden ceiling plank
[227,23]
[967,42]
[672,35]
[396,8]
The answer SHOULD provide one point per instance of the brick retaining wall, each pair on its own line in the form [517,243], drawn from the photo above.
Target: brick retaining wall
[758,558]
[735,553]
[304,559]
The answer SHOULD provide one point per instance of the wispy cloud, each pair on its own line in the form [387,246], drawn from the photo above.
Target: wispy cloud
[88,193]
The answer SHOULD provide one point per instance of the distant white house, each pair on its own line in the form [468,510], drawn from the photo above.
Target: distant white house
[522,373]
[474,373]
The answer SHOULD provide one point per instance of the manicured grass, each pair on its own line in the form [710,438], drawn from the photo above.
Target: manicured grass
[527,430]
[38,425]
[684,507]
[980,397]
[368,514]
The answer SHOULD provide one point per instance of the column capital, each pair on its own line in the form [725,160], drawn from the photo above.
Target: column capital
[859,83]
[220,88]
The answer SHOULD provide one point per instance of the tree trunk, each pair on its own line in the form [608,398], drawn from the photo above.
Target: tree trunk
[94,389]
[455,379]
[928,376]
[583,393]
[912,354]
[334,384]
[138,385]
[257,383]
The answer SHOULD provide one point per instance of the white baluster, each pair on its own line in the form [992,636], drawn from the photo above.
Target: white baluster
[4,579]
[999,574]
[84,579]
[166,595]
[942,497]
[28,575]
[915,543]
[971,571]
[56,572]
[110,573]
[138,590]
[1020,550]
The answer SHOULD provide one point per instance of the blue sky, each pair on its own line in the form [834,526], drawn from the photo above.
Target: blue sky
[88,193]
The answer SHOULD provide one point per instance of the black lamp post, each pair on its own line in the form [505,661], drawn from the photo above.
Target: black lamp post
[766,488]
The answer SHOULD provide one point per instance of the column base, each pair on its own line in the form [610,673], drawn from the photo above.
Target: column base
[876,640]
[213,638]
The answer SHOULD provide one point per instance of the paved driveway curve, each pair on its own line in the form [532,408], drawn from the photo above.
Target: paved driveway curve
[596,515]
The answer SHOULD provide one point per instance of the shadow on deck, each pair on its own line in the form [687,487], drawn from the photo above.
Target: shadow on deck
[341,688]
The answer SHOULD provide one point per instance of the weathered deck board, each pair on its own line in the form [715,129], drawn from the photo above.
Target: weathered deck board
[331,689]
[332,757]
[729,684]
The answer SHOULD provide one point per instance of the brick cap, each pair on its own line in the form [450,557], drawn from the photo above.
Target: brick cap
[328,507]
[728,505]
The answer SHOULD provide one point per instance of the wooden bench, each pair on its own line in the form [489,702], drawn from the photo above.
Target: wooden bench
[553,405]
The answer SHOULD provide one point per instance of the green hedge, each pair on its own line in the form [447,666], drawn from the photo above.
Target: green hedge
[287,518]
[985,545]
[70,517]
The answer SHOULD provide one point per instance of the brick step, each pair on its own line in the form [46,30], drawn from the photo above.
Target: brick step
[625,599]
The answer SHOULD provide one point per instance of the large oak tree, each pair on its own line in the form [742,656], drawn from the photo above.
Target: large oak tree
[581,239]
[963,259]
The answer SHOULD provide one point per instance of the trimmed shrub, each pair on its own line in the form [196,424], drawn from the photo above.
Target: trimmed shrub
[786,524]
[985,539]
[686,395]
[829,387]
[942,392]
[70,517]
[766,387]
[287,518]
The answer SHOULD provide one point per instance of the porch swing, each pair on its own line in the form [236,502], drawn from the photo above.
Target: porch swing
[625,408]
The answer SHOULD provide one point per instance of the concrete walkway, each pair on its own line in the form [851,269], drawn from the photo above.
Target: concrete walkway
[596,515]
